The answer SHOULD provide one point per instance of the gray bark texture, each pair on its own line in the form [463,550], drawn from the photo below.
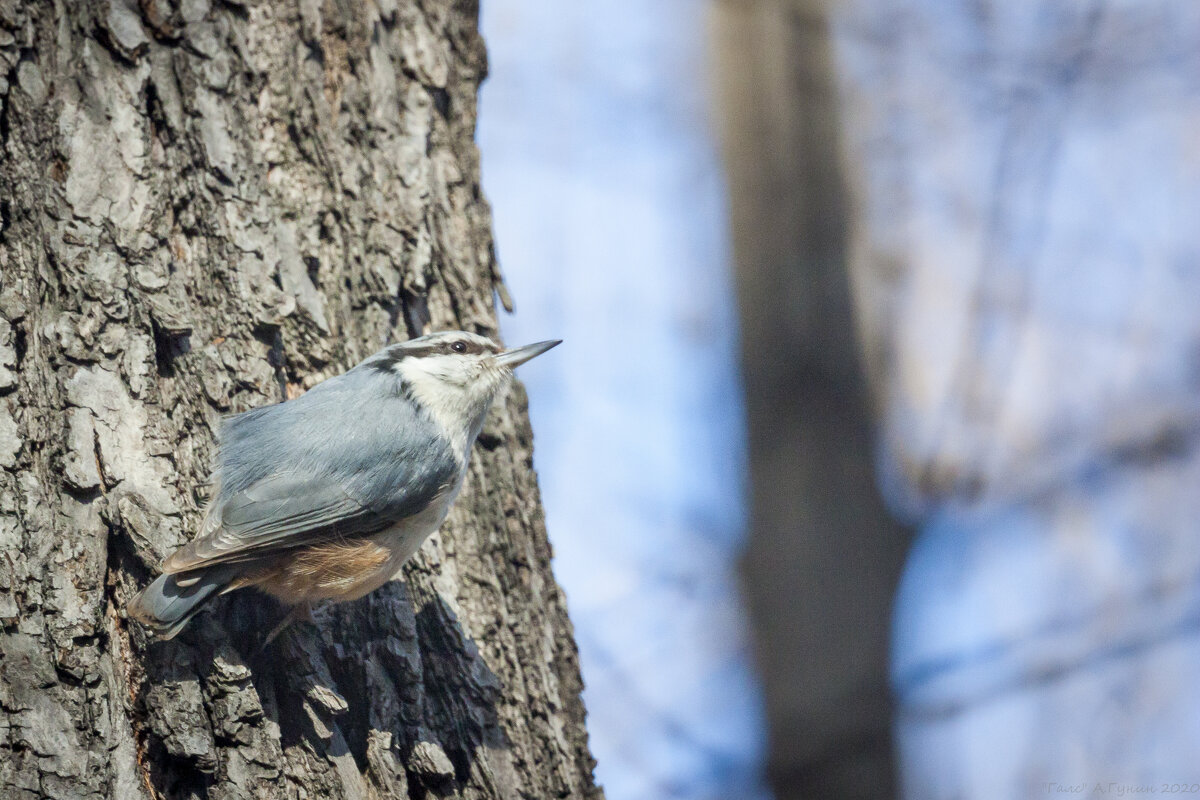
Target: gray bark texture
[205,208]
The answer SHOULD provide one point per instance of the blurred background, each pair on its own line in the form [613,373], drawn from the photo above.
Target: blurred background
[873,468]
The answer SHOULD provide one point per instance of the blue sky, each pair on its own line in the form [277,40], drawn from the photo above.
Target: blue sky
[600,163]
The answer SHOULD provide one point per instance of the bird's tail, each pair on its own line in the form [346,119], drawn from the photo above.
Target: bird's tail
[167,605]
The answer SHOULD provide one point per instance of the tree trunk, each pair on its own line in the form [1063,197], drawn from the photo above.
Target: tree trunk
[205,208]
[824,556]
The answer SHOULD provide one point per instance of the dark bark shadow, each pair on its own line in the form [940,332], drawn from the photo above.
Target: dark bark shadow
[372,671]
[400,690]
[176,737]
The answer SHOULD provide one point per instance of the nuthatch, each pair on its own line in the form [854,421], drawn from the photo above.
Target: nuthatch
[325,496]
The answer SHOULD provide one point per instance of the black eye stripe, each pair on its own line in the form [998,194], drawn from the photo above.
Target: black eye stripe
[398,353]
[386,361]
[468,346]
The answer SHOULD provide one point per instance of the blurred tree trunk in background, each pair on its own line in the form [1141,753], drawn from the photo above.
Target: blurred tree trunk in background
[205,208]
[1021,245]
[824,556]
[1026,183]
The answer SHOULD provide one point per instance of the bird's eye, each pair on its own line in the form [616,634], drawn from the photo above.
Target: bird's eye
[459,347]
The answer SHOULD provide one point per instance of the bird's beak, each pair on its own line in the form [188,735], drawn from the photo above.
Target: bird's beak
[519,355]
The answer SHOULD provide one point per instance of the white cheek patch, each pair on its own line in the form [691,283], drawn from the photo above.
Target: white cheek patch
[453,393]
[444,402]
[440,368]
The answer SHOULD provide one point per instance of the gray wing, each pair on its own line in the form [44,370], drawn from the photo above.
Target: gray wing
[277,513]
[379,463]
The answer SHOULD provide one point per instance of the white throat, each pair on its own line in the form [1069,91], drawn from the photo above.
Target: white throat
[458,409]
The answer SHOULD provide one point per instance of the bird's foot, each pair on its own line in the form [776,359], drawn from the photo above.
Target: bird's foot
[299,613]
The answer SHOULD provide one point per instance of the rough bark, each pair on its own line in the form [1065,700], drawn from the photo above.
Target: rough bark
[204,209]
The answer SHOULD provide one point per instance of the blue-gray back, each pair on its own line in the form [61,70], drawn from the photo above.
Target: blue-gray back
[350,457]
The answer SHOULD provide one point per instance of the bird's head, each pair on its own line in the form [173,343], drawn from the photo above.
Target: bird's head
[454,375]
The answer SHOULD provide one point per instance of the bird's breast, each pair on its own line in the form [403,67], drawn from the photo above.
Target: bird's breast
[405,537]
[347,570]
